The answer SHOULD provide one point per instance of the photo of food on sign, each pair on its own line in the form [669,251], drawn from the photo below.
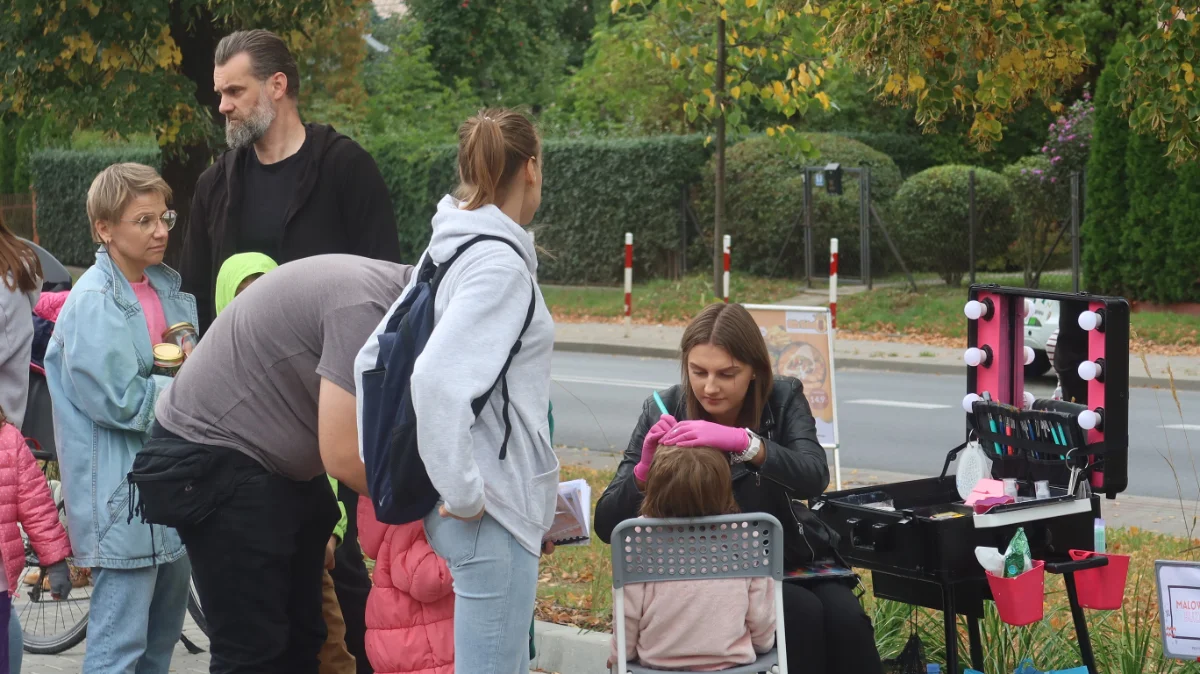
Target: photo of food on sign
[798,342]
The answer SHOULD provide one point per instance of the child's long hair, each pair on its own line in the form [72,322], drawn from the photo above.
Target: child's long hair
[689,482]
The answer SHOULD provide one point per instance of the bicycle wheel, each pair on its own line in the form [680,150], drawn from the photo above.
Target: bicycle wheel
[194,608]
[49,626]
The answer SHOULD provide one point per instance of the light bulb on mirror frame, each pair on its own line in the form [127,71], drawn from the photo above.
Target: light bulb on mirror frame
[1089,370]
[1091,419]
[975,309]
[968,402]
[1091,320]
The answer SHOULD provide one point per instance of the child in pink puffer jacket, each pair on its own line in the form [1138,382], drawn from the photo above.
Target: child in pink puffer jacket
[410,611]
[25,499]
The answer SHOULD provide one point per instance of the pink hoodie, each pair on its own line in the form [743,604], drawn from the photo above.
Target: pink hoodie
[25,499]
[410,611]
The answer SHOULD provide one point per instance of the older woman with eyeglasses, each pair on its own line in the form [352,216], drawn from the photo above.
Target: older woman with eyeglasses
[99,368]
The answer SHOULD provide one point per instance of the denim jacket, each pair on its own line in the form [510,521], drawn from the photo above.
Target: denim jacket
[98,370]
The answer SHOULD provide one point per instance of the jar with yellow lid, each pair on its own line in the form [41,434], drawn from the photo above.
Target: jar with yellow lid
[167,359]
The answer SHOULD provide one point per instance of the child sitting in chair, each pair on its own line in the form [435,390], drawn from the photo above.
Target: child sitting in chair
[695,625]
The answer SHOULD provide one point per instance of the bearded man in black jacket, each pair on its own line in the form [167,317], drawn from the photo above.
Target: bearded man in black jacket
[284,188]
[289,190]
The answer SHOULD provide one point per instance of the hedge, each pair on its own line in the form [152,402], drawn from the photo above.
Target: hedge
[764,206]
[1141,233]
[932,213]
[593,192]
[7,150]
[906,149]
[1107,193]
[61,179]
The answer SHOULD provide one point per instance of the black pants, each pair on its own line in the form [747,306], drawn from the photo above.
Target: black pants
[351,583]
[827,630]
[257,561]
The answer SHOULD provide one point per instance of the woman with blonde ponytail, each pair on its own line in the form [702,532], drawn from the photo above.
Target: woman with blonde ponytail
[494,469]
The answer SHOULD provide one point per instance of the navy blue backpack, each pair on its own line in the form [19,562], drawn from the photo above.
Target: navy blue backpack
[400,487]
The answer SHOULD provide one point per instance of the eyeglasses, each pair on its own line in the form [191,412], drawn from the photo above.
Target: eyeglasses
[148,222]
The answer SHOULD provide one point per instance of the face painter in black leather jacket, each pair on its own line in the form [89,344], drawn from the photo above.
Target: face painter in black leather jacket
[728,381]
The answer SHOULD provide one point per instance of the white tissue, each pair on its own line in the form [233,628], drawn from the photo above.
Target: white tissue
[991,560]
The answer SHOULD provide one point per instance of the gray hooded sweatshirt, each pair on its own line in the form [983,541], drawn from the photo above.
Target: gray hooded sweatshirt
[16,345]
[479,311]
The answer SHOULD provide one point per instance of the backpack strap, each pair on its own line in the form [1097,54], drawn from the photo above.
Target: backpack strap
[504,370]
[478,404]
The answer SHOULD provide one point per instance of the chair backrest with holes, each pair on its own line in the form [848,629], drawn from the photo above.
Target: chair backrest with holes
[743,545]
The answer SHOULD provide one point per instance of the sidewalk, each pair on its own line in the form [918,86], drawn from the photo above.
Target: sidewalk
[658,341]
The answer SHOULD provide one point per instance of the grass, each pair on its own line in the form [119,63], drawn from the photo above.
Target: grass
[935,312]
[575,585]
[575,588]
[661,301]
[933,315]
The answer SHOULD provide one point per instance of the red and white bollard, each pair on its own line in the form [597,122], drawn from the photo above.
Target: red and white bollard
[628,284]
[833,265]
[725,250]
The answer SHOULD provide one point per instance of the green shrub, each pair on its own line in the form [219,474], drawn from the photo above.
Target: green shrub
[417,176]
[61,179]
[1107,191]
[764,205]
[1146,238]
[594,192]
[1039,211]
[6,157]
[906,149]
[931,212]
[27,138]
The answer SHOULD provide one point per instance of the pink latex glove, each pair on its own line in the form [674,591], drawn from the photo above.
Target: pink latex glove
[708,434]
[665,423]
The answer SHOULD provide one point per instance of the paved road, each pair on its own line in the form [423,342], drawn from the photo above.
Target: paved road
[72,660]
[902,423]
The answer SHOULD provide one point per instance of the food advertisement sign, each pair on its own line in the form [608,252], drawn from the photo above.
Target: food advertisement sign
[800,343]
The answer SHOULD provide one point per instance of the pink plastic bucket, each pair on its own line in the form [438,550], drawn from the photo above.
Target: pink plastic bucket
[1102,589]
[1019,601]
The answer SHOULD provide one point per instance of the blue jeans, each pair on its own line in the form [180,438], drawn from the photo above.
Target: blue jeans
[136,618]
[16,646]
[495,582]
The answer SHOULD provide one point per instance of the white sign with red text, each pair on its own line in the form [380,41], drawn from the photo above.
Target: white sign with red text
[1179,603]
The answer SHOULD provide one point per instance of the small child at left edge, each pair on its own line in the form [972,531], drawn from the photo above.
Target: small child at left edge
[25,500]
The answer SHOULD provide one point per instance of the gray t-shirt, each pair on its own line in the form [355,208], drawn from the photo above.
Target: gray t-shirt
[252,382]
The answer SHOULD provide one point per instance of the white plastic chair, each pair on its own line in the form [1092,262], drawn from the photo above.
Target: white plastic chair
[746,545]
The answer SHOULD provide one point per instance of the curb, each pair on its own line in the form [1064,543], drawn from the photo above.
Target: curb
[570,650]
[876,365]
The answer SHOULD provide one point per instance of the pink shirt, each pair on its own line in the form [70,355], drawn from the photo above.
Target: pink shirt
[698,625]
[156,321]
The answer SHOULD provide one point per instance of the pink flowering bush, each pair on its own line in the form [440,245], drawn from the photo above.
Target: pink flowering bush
[1069,140]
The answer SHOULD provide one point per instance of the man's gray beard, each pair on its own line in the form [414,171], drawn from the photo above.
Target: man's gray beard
[248,132]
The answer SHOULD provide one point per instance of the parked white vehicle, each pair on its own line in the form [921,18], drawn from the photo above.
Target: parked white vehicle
[1041,332]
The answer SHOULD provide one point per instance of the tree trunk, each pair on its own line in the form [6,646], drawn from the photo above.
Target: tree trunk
[197,35]
[719,188]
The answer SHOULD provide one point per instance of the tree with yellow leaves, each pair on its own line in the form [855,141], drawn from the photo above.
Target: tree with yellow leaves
[732,57]
[983,59]
[141,66]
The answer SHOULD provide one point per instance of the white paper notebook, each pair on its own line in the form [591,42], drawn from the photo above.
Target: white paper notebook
[572,515]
